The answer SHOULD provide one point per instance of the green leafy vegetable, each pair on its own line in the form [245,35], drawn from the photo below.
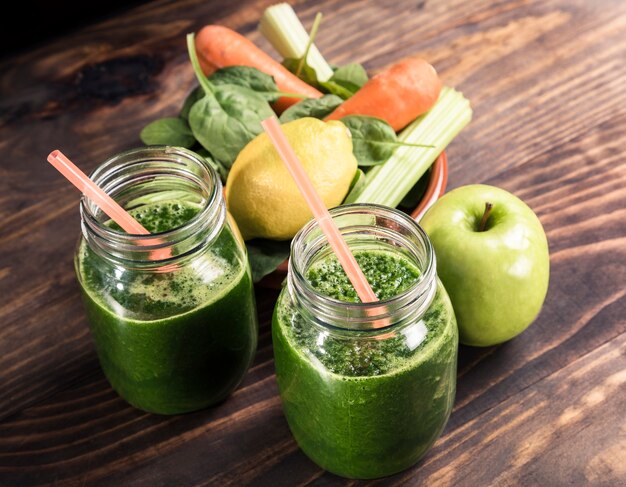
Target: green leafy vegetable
[265,256]
[336,89]
[248,77]
[346,80]
[168,131]
[224,122]
[311,107]
[194,95]
[307,73]
[227,117]
[355,186]
[370,137]
[373,139]
[352,74]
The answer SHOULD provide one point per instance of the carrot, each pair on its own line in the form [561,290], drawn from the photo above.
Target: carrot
[398,95]
[219,46]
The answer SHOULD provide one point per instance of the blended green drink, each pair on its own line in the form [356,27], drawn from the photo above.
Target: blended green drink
[366,389]
[172,315]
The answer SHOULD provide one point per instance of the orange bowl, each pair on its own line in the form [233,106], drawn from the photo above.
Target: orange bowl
[436,187]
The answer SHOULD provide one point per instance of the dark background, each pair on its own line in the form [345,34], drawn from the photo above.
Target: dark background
[32,23]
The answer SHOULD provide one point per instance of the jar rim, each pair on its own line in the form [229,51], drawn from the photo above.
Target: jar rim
[213,207]
[423,286]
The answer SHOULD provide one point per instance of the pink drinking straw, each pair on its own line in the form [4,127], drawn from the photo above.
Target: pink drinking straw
[321,214]
[90,189]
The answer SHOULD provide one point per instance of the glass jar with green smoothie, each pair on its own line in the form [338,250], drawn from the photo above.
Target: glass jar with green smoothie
[172,314]
[366,388]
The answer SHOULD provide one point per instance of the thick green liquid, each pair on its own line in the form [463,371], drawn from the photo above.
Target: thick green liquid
[366,408]
[173,342]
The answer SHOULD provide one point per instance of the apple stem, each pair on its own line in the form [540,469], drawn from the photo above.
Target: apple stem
[483,221]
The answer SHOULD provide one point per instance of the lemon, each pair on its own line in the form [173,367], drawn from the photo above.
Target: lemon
[263,197]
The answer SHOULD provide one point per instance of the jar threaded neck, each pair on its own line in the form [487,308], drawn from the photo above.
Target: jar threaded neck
[364,226]
[154,173]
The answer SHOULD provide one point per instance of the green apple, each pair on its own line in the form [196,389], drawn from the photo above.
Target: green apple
[494,262]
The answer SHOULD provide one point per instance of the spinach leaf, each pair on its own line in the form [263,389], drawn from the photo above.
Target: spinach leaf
[373,139]
[336,89]
[307,73]
[352,74]
[370,139]
[248,77]
[227,117]
[357,184]
[225,120]
[346,80]
[193,96]
[266,255]
[168,131]
[311,107]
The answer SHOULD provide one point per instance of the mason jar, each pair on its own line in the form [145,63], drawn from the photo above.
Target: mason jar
[172,314]
[366,388]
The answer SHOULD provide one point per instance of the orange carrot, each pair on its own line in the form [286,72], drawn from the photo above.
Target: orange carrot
[398,95]
[219,46]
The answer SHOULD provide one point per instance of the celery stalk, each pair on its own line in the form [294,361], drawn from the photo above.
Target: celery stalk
[282,28]
[388,183]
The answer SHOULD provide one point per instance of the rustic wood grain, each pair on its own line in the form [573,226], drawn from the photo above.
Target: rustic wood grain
[546,80]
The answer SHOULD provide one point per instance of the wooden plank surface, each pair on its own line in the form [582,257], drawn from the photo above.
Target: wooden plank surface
[546,80]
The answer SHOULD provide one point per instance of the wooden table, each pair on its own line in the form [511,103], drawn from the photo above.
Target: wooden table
[547,80]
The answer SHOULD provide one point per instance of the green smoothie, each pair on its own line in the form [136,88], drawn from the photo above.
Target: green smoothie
[365,406]
[176,341]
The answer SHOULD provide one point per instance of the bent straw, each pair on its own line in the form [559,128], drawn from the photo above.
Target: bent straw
[90,189]
[321,214]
